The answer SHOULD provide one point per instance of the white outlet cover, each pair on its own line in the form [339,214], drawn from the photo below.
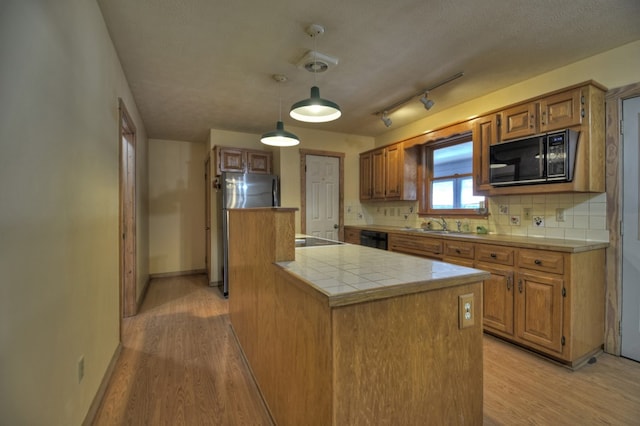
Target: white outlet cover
[538,221]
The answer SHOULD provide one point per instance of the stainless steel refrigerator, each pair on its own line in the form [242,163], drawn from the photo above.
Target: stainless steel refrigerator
[241,191]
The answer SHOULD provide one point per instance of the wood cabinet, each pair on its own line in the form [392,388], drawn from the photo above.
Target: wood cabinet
[416,245]
[485,133]
[579,108]
[389,173]
[519,121]
[351,235]
[548,301]
[366,176]
[229,159]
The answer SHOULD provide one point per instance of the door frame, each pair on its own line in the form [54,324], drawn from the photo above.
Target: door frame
[303,187]
[127,216]
[613,168]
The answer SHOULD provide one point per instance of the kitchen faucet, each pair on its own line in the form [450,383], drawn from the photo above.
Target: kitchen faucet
[443,224]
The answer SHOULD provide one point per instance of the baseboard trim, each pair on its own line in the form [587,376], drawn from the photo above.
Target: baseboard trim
[178,273]
[97,399]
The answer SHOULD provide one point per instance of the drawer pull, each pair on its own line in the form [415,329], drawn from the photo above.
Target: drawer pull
[538,262]
[493,255]
[458,251]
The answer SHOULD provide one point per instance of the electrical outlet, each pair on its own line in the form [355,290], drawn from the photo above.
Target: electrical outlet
[466,310]
[80,368]
[527,213]
[559,215]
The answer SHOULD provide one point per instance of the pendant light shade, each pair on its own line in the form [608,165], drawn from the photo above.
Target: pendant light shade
[280,137]
[315,109]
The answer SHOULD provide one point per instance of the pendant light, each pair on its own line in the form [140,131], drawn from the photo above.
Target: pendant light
[315,109]
[279,137]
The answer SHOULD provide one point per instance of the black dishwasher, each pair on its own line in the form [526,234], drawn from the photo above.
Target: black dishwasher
[373,239]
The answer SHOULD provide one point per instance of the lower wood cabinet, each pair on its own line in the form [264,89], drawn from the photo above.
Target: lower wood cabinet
[548,301]
[351,236]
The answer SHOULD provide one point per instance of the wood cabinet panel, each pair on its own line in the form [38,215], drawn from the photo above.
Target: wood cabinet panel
[541,260]
[351,236]
[238,160]
[561,111]
[519,121]
[366,176]
[485,133]
[459,249]
[498,302]
[494,254]
[539,308]
[416,245]
[379,175]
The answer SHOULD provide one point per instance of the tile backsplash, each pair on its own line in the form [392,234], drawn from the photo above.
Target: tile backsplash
[565,216]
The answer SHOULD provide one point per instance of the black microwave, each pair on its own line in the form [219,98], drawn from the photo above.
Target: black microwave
[548,157]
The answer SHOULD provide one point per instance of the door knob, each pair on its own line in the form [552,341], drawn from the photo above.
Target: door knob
[335,226]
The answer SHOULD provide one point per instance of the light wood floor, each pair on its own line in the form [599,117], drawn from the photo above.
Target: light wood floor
[180,365]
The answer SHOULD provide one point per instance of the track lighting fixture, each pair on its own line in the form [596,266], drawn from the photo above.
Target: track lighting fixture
[280,137]
[428,103]
[424,98]
[386,120]
[315,109]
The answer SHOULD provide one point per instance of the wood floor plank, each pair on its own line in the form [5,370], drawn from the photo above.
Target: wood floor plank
[180,365]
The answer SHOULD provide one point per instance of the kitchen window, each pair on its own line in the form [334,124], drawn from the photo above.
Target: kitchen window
[448,182]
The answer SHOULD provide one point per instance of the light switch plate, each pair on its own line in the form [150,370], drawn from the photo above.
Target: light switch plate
[466,310]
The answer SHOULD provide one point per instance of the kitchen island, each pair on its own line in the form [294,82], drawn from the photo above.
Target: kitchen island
[344,334]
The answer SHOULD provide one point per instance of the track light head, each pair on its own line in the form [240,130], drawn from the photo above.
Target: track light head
[428,103]
[385,119]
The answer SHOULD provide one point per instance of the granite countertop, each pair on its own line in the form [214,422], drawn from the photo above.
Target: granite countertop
[349,274]
[540,243]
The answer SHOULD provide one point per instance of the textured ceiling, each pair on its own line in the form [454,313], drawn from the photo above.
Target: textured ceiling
[198,64]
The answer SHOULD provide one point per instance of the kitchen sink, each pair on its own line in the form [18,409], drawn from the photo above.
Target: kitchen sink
[436,231]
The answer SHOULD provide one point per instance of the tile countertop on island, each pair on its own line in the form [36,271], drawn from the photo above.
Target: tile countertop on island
[539,243]
[349,274]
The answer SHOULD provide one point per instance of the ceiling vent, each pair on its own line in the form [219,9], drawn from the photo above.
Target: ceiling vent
[316,62]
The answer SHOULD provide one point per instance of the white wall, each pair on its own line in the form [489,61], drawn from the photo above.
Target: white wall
[60,80]
[176,206]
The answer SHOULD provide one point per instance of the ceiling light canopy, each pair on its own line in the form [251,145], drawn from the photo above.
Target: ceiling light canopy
[315,109]
[279,137]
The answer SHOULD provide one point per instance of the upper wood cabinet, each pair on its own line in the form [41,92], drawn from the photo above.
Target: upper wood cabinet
[519,121]
[485,133]
[389,173]
[579,108]
[229,159]
[553,112]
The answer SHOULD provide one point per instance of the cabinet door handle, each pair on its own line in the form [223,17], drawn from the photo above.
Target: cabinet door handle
[520,285]
[538,262]
[508,283]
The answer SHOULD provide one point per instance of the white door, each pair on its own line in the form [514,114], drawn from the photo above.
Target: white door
[322,203]
[630,231]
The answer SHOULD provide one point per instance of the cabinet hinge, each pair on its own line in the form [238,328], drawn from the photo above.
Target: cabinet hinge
[562,340]
[564,292]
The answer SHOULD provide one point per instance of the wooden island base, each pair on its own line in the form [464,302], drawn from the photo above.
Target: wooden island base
[393,360]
